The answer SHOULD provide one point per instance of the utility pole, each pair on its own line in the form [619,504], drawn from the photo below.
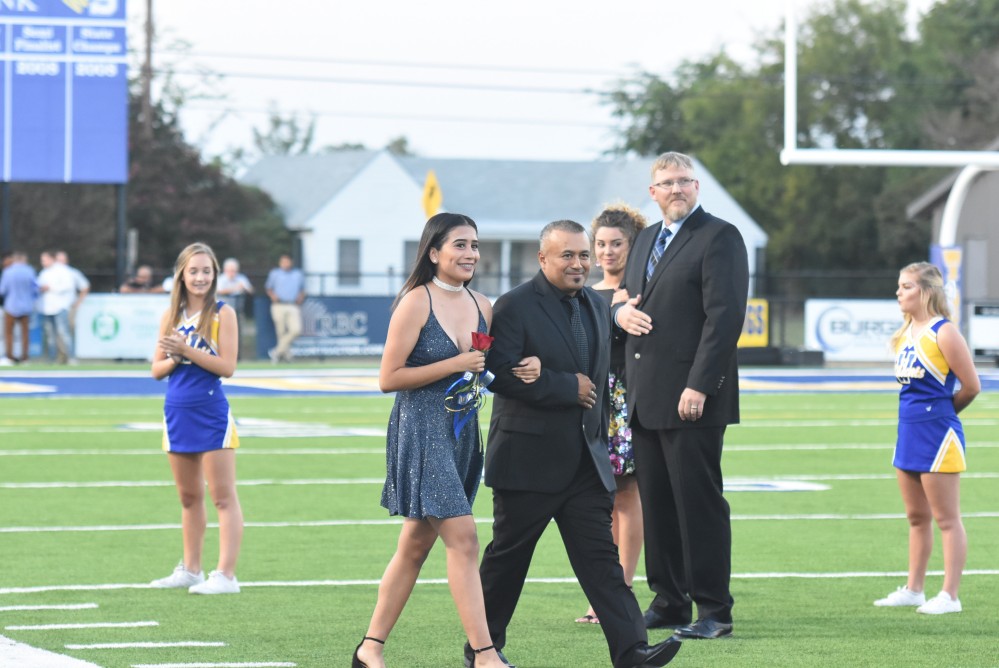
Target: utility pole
[147,76]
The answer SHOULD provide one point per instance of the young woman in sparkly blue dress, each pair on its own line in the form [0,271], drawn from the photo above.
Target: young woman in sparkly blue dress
[432,474]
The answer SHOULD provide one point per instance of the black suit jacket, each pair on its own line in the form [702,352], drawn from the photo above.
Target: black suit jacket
[697,299]
[538,431]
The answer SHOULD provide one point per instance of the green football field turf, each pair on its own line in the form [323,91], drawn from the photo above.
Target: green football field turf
[89,515]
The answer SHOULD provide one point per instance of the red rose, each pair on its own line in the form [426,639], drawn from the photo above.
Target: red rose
[481,342]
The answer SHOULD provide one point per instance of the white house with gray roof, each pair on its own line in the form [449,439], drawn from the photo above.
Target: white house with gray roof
[359,214]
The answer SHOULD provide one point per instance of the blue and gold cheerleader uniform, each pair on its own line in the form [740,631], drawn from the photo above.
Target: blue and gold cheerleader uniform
[930,436]
[196,415]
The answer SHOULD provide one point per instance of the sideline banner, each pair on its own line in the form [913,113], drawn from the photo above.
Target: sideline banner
[851,330]
[983,329]
[756,328]
[114,326]
[331,326]
[948,260]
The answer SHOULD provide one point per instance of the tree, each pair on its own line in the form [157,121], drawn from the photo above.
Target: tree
[962,70]
[858,88]
[176,198]
[399,146]
[285,135]
[173,198]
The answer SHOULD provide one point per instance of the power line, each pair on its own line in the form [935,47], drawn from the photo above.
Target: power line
[391,63]
[389,82]
[409,117]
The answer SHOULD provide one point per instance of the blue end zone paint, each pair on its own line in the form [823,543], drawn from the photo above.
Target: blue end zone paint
[317,382]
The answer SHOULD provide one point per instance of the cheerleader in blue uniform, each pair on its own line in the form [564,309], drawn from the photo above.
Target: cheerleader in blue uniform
[198,346]
[930,357]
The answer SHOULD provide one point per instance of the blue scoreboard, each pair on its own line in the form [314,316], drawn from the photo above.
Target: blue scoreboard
[63,91]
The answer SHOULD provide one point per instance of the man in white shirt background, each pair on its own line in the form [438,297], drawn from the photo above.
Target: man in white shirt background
[235,288]
[58,293]
[81,286]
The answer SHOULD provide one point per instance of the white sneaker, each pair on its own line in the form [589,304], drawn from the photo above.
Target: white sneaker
[901,597]
[940,604]
[217,583]
[181,578]
[6,361]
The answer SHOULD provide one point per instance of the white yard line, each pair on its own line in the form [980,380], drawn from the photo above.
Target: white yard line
[478,520]
[92,625]
[152,452]
[146,645]
[18,655]
[335,452]
[443,581]
[254,664]
[99,484]
[29,608]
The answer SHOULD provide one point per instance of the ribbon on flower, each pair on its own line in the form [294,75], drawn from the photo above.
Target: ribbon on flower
[464,397]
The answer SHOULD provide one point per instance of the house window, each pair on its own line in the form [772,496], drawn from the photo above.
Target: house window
[409,257]
[349,262]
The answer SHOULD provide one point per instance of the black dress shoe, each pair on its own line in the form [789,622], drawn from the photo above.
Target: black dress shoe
[654,656]
[470,657]
[704,629]
[656,620]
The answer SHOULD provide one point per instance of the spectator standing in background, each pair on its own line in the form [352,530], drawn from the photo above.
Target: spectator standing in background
[234,287]
[18,288]
[58,292]
[82,287]
[286,288]
[141,282]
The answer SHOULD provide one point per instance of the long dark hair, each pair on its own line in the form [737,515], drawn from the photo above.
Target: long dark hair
[435,232]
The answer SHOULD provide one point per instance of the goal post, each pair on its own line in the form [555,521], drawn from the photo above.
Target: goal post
[793,155]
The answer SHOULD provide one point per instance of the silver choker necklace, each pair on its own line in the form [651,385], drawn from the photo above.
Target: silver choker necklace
[444,286]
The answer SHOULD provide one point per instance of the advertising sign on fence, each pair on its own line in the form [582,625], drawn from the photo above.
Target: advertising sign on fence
[851,330]
[331,326]
[983,330]
[126,327]
[756,328]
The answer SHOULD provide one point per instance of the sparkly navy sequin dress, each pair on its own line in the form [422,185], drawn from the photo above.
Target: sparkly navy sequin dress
[428,472]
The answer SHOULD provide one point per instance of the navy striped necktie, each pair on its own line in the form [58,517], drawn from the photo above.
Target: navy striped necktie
[657,251]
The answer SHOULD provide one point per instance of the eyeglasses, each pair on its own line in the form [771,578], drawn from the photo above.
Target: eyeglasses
[668,184]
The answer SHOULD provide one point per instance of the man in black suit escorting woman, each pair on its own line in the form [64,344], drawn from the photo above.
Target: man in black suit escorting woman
[547,454]
[688,278]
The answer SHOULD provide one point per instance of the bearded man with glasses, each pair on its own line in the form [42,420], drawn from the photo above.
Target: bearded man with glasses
[688,278]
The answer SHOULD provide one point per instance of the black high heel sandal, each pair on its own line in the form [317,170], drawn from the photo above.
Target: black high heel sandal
[357,663]
[476,652]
